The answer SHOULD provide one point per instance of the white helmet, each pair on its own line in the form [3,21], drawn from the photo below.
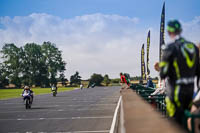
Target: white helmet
[26,87]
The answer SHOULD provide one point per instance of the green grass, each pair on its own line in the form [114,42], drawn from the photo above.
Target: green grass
[14,93]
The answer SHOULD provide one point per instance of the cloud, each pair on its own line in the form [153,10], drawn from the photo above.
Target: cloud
[95,43]
[191,29]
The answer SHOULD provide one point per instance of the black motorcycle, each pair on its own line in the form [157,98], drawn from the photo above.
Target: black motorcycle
[54,91]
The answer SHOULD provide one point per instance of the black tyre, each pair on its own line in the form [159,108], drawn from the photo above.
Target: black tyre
[26,103]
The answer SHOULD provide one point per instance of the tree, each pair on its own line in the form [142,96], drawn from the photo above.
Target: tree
[52,58]
[32,64]
[106,80]
[12,63]
[3,77]
[116,81]
[97,79]
[136,78]
[75,79]
[63,79]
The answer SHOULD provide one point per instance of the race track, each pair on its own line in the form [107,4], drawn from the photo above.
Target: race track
[78,111]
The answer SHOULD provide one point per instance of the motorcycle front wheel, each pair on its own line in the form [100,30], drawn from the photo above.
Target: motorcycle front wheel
[27,103]
[54,94]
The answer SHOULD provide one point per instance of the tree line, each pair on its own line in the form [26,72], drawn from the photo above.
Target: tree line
[40,65]
[31,64]
[98,79]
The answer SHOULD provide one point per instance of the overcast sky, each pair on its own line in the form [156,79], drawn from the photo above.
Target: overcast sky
[96,36]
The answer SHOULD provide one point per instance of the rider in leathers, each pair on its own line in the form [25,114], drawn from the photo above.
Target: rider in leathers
[180,64]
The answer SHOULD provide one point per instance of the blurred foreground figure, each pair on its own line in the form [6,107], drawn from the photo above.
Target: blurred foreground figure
[180,65]
[195,109]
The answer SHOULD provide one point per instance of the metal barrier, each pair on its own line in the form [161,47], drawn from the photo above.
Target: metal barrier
[158,101]
[193,117]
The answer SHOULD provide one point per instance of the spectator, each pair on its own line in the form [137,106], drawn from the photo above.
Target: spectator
[127,78]
[123,82]
[195,109]
[162,85]
[150,82]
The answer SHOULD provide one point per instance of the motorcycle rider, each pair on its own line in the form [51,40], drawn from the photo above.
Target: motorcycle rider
[180,64]
[27,88]
[54,88]
[81,86]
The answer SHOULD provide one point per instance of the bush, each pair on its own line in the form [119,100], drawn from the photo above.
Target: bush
[97,79]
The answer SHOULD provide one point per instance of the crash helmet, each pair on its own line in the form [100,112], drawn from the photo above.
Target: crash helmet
[174,26]
[26,87]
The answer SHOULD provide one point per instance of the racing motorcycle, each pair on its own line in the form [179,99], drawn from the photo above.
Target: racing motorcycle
[27,99]
[54,91]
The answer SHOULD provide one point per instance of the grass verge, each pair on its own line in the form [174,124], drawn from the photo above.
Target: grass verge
[14,93]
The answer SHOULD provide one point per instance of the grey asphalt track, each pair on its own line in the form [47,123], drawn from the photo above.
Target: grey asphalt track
[82,111]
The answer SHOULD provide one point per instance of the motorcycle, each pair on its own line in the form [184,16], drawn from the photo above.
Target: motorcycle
[93,85]
[54,91]
[27,99]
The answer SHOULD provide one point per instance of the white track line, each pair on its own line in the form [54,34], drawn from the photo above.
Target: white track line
[22,104]
[52,102]
[78,101]
[59,110]
[123,130]
[91,105]
[67,118]
[115,116]
[10,107]
[101,131]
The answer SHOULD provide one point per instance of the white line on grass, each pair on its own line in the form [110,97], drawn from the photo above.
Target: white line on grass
[115,116]
[36,95]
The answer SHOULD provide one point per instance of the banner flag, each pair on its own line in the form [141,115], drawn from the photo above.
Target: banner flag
[143,73]
[162,32]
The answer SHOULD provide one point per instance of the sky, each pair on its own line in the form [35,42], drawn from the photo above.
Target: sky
[96,36]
